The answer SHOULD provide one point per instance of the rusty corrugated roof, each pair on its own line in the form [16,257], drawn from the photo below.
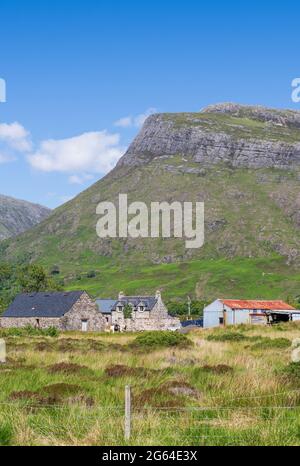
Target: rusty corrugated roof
[276,305]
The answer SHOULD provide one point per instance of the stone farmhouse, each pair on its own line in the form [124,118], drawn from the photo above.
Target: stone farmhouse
[145,313]
[73,310]
[76,310]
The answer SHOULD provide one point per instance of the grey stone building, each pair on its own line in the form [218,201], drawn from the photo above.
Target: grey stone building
[147,313]
[105,307]
[73,310]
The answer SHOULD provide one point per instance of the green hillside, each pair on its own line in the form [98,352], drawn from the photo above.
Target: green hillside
[252,233]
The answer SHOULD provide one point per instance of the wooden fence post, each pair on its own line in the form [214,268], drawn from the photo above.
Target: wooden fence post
[127,412]
[2,351]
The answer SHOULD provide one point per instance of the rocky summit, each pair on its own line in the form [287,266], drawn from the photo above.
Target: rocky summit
[243,162]
[18,216]
[240,136]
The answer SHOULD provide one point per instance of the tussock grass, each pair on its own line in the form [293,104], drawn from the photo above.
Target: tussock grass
[207,391]
[149,340]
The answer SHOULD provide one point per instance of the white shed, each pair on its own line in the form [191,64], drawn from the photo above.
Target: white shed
[235,311]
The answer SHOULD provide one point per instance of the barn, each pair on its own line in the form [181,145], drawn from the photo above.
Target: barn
[73,310]
[224,312]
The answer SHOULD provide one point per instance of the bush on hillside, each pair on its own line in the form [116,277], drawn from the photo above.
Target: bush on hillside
[55,270]
[160,339]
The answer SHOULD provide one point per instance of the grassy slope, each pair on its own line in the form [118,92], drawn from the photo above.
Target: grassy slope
[250,228]
[251,387]
[239,258]
[267,278]
[243,127]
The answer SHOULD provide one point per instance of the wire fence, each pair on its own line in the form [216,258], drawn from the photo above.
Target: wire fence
[130,424]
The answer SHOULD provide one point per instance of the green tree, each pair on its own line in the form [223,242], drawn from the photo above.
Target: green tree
[33,278]
[127,311]
[15,279]
[180,308]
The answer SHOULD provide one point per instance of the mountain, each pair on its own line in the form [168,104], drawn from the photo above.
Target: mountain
[18,216]
[243,162]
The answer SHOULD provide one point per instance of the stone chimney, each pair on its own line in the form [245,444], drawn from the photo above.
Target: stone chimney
[121,295]
[158,295]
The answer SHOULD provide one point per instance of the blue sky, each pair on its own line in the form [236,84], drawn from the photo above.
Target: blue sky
[81,77]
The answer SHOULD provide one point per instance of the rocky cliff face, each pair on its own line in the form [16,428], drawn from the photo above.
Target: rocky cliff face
[239,136]
[18,216]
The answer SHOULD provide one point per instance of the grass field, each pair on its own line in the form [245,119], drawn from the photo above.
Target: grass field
[233,387]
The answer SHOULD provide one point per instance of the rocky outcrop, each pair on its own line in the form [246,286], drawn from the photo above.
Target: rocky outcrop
[288,118]
[239,136]
[18,216]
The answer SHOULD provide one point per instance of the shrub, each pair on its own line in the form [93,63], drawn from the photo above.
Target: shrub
[161,339]
[6,434]
[259,341]
[269,343]
[55,270]
[51,332]
[30,331]
[292,370]
[179,308]
[91,274]
[127,311]
[226,336]
[284,326]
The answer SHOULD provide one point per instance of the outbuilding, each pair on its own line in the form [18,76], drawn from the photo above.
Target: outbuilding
[73,310]
[224,312]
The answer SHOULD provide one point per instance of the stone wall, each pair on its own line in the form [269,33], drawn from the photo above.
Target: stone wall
[44,322]
[84,309]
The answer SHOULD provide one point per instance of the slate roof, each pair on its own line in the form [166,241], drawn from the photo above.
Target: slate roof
[105,305]
[42,304]
[148,301]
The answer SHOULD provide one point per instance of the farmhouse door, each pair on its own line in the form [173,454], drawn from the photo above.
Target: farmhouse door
[84,325]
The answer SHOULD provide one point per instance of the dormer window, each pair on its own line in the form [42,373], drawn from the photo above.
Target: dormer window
[141,307]
[120,308]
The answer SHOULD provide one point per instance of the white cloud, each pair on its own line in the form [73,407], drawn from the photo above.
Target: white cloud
[15,136]
[93,152]
[125,122]
[135,121]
